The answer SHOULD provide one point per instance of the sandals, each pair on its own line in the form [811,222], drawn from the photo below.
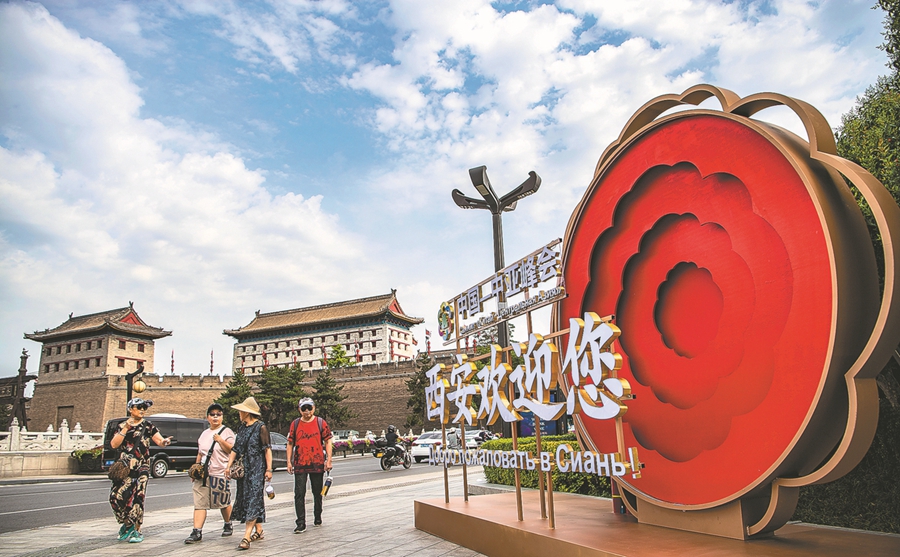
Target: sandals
[256,536]
[245,544]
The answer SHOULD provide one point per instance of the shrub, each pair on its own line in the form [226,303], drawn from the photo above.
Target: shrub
[90,454]
[569,482]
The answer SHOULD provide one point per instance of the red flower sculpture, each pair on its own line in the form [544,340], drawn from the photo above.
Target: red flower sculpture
[706,237]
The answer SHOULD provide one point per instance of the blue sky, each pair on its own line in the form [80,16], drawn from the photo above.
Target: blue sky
[208,159]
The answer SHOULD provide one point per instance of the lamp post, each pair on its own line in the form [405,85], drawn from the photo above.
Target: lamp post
[496,205]
[129,378]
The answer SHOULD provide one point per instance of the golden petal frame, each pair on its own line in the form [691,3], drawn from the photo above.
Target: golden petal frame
[882,342]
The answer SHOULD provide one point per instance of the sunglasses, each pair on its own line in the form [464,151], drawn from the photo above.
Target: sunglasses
[305,408]
[142,407]
[216,415]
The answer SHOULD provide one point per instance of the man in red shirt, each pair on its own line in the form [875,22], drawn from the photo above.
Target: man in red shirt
[308,456]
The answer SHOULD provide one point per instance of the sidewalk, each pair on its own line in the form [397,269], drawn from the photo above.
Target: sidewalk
[371,518]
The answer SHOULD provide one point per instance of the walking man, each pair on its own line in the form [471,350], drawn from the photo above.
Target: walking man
[308,457]
[214,491]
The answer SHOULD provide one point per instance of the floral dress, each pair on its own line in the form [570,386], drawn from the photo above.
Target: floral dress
[127,497]
[251,444]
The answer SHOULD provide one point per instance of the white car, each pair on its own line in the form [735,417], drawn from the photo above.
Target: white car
[423,443]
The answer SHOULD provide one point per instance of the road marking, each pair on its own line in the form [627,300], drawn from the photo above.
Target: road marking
[88,504]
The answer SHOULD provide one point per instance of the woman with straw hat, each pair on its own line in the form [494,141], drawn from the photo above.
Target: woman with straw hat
[252,446]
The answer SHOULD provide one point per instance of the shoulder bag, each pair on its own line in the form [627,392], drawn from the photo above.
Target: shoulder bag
[199,471]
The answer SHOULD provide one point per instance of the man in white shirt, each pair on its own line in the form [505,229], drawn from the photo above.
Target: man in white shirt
[215,491]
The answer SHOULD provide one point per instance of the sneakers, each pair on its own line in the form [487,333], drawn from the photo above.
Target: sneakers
[196,536]
[318,522]
[300,529]
[125,532]
[136,537]
[227,530]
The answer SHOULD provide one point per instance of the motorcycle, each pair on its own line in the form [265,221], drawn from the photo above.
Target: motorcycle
[392,456]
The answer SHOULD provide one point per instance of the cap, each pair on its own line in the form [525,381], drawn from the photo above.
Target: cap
[304,401]
[139,401]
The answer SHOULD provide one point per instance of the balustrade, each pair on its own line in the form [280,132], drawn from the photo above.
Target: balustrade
[19,439]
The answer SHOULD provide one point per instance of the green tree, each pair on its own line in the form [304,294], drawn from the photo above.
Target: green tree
[235,392]
[891,31]
[868,135]
[416,387]
[489,336]
[280,390]
[329,396]
[339,358]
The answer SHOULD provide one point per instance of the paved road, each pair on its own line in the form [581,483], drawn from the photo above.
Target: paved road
[46,504]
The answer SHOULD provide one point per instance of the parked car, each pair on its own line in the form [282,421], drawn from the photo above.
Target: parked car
[345,434]
[473,440]
[423,443]
[179,455]
[279,450]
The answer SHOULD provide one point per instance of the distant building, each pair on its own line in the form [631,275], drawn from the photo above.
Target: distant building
[371,330]
[77,358]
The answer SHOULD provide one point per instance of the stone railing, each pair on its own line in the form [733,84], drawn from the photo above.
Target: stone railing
[21,440]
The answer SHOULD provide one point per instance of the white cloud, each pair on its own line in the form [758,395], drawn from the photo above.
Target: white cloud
[458,85]
[99,208]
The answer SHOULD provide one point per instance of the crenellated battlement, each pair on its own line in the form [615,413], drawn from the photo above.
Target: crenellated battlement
[155,381]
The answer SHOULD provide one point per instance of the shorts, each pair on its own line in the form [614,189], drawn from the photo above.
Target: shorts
[216,494]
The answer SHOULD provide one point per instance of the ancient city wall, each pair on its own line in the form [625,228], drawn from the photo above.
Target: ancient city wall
[377,393]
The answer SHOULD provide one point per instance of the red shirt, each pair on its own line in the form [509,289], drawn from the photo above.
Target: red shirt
[308,442]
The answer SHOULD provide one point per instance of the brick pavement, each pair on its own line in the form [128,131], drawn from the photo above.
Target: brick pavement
[372,518]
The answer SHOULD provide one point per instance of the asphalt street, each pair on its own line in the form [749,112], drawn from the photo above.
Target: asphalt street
[47,504]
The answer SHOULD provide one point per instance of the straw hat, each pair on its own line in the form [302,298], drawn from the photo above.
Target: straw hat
[249,405]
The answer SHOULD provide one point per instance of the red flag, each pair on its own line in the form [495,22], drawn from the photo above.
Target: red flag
[325,352]
[357,353]
[427,333]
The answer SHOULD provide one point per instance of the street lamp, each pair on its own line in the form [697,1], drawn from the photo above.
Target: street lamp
[129,378]
[496,205]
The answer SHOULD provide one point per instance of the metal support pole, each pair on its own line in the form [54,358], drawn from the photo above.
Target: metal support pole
[538,449]
[446,452]
[550,498]
[537,427]
[516,471]
[129,379]
[462,454]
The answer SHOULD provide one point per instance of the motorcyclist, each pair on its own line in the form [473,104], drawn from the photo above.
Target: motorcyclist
[453,441]
[391,437]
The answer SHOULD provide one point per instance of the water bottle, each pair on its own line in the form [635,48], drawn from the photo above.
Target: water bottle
[327,485]
[270,491]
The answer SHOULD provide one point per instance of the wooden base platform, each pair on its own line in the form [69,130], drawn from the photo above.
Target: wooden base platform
[586,527]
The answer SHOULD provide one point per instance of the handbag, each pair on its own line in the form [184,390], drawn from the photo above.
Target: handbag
[119,471]
[237,468]
[199,471]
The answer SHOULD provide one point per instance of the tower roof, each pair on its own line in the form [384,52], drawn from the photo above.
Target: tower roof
[325,314]
[124,320]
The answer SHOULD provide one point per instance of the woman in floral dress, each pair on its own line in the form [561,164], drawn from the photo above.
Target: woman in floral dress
[127,497]
[253,447]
